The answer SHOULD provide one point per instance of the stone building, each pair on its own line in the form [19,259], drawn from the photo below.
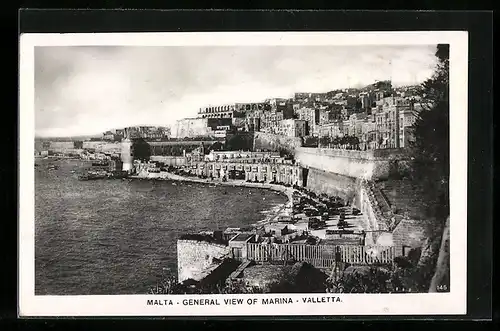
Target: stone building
[263,172]
[292,128]
[333,129]
[236,156]
[356,122]
[192,127]
[252,123]
[388,118]
[369,134]
[311,116]
[230,110]
[407,118]
[270,120]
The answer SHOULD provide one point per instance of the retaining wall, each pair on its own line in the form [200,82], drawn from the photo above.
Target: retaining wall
[194,258]
[369,165]
[272,142]
[320,181]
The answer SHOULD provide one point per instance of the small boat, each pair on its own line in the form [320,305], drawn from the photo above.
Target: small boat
[173,183]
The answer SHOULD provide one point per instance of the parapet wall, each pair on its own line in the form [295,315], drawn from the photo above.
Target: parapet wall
[320,181]
[272,142]
[369,165]
[375,223]
[195,257]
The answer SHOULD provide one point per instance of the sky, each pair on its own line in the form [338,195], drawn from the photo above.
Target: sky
[85,90]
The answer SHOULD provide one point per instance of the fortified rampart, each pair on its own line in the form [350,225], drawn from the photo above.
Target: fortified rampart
[345,173]
[103,146]
[195,258]
[320,181]
[169,160]
[368,165]
[272,142]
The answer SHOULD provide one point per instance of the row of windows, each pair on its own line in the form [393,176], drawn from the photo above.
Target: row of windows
[223,115]
[217,109]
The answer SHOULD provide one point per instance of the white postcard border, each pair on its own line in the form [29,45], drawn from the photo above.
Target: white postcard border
[452,303]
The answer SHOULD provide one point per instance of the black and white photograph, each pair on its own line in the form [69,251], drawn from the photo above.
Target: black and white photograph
[266,173]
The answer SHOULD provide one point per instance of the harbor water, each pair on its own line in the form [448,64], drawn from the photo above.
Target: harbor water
[119,236]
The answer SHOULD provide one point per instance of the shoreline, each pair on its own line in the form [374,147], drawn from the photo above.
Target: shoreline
[281,211]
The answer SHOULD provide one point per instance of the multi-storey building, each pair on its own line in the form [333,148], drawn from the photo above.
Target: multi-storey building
[369,134]
[232,110]
[292,128]
[252,123]
[269,120]
[367,100]
[333,129]
[407,118]
[356,122]
[220,111]
[249,107]
[388,121]
[277,103]
[311,116]
[192,127]
[145,132]
[108,135]
[240,156]
[276,170]
[346,127]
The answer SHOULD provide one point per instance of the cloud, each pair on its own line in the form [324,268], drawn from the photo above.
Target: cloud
[87,90]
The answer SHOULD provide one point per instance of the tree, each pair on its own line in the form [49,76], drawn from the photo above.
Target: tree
[430,146]
[325,141]
[142,150]
[431,166]
[238,142]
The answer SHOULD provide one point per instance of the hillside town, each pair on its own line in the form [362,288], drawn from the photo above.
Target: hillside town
[335,218]
[377,116]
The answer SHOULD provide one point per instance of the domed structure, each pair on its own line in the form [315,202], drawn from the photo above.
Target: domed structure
[127,155]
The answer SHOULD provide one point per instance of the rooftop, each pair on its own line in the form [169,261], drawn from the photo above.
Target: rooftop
[202,238]
[242,237]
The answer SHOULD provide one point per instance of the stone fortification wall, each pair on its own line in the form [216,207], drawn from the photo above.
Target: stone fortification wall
[374,220]
[272,142]
[194,258]
[169,160]
[103,146]
[369,165]
[320,181]
[191,127]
